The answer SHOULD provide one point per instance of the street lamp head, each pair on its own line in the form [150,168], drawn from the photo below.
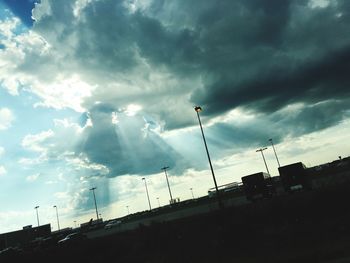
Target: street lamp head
[36,207]
[270,140]
[261,149]
[54,206]
[197,108]
[143,178]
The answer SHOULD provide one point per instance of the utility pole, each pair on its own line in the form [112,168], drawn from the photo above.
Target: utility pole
[262,154]
[199,109]
[166,176]
[37,214]
[149,202]
[58,221]
[93,192]
[273,147]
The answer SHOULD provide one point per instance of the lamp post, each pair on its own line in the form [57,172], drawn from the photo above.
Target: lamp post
[58,221]
[273,147]
[192,192]
[127,207]
[149,202]
[37,214]
[198,109]
[93,192]
[158,202]
[262,154]
[166,176]
[75,223]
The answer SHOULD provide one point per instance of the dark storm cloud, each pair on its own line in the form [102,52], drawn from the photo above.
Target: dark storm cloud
[311,82]
[258,56]
[299,56]
[312,118]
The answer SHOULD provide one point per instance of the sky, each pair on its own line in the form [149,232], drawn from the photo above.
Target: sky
[101,93]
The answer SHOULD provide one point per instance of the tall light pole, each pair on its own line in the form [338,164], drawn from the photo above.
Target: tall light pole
[158,202]
[93,192]
[273,147]
[149,202]
[127,207]
[198,109]
[262,154]
[37,214]
[166,176]
[75,223]
[192,192]
[58,221]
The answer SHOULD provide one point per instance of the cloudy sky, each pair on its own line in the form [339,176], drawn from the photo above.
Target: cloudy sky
[100,93]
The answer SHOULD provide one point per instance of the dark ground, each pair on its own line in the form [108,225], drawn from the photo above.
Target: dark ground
[311,226]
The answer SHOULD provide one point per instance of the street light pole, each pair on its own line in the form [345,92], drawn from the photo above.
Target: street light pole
[58,221]
[273,147]
[37,214]
[158,202]
[198,109]
[192,192]
[93,192]
[127,207]
[75,223]
[166,176]
[149,202]
[262,154]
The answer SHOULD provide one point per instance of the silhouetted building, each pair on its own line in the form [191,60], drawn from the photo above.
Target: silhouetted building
[294,177]
[258,185]
[25,236]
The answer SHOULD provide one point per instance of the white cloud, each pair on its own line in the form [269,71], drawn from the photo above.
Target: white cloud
[67,75]
[57,90]
[319,3]
[32,178]
[6,118]
[34,142]
[8,26]
[2,170]
[62,195]
[2,151]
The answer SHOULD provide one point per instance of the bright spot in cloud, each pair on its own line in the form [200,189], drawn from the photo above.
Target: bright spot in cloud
[319,3]
[6,118]
[114,118]
[70,91]
[2,170]
[132,109]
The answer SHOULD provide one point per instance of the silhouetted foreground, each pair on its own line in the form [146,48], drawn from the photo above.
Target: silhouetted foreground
[311,226]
